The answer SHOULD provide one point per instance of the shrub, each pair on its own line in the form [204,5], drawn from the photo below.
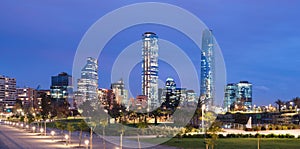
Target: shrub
[289,136]
[278,127]
[221,136]
[273,127]
[284,127]
[257,128]
[270,135]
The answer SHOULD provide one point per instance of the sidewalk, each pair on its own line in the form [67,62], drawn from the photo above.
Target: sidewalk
[14,137]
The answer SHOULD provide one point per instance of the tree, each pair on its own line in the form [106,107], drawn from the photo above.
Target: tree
[213,130]
[156,113]
[46,105]
[141,128]
[94,113]
[280,103]
[103,123]
[62,127]
[296,101]
[82,126]
[121,130]
[116,110]
[70,128]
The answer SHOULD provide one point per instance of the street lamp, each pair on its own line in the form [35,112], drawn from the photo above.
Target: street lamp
[52,133]
[86,142]
[33,129]
[41,130]
[27,126]
[66,137]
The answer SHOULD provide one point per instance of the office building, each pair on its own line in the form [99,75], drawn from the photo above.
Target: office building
[170,99]
[120,92]
[244,95]
[61,89]
[230,97]
[87,85]
[238,97]
[27,97]
[150,69]
[7,94]
[207,78]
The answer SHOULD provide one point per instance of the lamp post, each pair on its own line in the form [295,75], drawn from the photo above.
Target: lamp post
[67,138]
[33,129]
[86,142]
[52,133]
[41,130]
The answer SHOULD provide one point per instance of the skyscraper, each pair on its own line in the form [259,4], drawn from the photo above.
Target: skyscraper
[7,93]
[87,85]
[244,95]
[150,69]
[207,88]
[170,100]
[120,92]
[61,88]
[238,96]
[230,97]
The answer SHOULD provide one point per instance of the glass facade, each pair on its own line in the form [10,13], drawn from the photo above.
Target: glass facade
[207,68]
[230,97]
[150,69]
[61,88]
[170,100]
[238,97]
[87,85]
[244,94]
[120,92]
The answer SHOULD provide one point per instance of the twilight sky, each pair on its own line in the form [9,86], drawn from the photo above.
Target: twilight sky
[259,40]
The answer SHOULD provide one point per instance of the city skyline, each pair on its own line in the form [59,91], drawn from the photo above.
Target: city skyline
[257,53]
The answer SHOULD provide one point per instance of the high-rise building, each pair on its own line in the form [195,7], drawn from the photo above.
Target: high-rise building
[181,95]
[61,89]
[230,97]
[244,95]
[170,100]
[207,88]
[27,97]
[150,69]
[238,96]
[120,92]
[7,94]
[87,85]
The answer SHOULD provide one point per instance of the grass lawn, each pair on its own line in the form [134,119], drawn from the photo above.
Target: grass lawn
[234,143]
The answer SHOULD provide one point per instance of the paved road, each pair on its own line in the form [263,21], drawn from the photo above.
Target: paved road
[16,138]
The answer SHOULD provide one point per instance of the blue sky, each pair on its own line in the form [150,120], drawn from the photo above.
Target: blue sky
[259,40]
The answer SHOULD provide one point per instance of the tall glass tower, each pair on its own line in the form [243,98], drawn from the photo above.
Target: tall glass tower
[61,88]
[150,69]
[207,89]
[87,85]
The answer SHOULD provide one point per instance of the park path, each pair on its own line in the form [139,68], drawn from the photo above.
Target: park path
[17,138]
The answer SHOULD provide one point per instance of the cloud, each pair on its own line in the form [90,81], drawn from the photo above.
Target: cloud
[261,87]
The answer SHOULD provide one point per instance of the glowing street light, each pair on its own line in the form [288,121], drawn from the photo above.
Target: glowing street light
[86,142]
[41,130]
[33,129]
[66,137]
[52,133]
